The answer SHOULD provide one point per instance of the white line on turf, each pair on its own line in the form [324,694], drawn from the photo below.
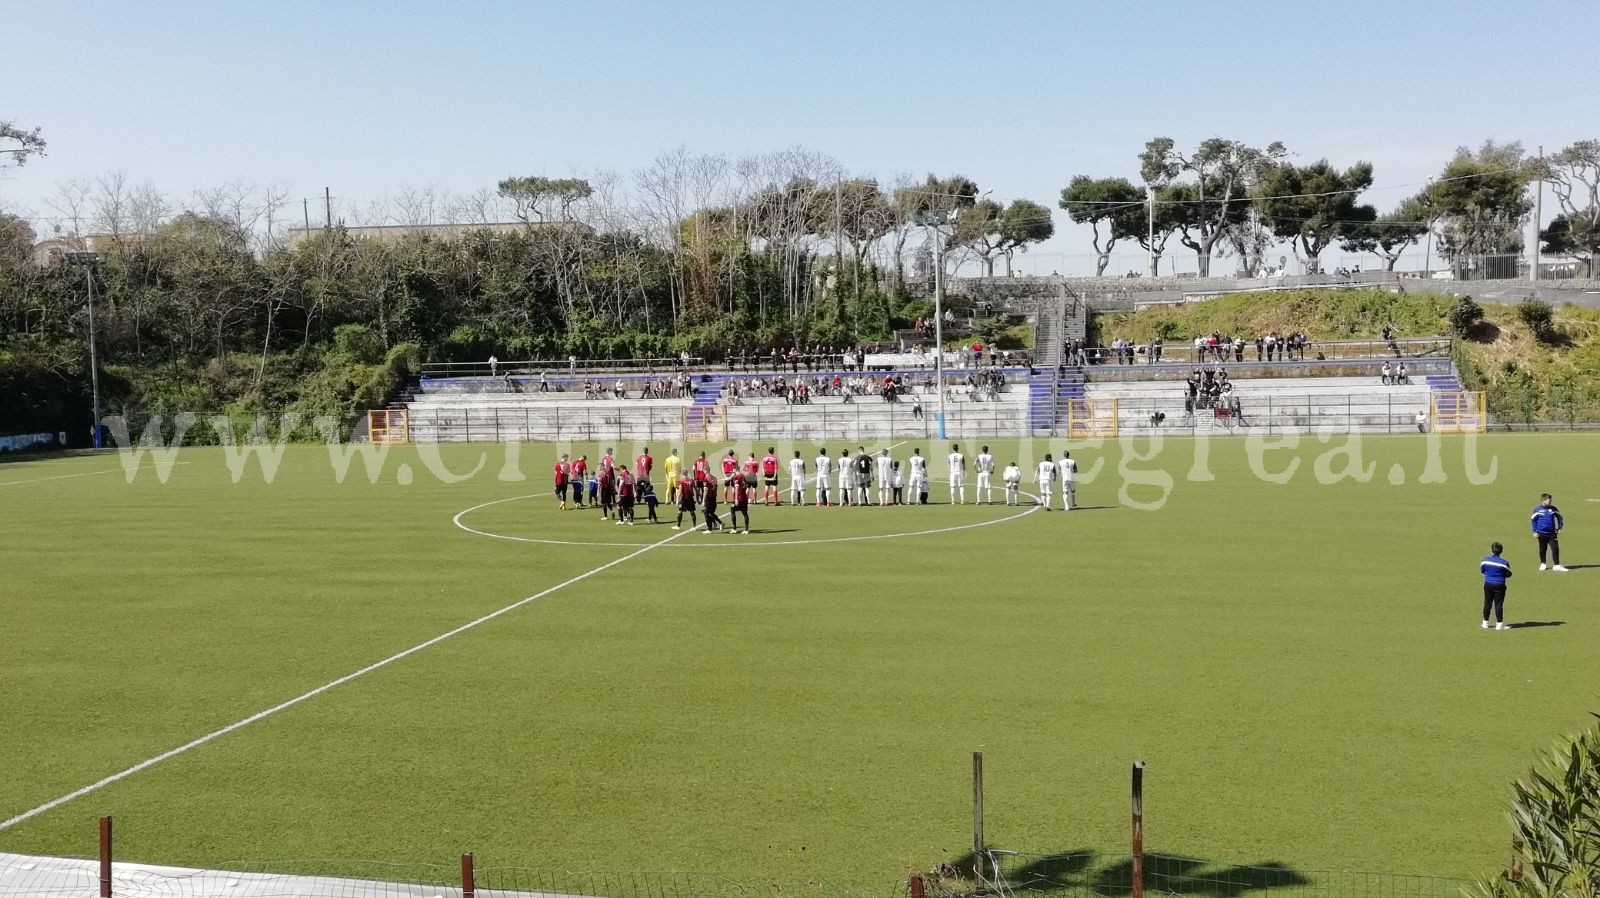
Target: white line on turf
[332,684]
[70,476]
[1030,509]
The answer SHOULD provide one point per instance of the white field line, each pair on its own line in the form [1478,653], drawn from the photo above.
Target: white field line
[332,684]
[1025,511]
[70,476]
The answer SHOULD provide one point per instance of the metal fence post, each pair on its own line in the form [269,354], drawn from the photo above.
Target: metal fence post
[1138,829]
[105,857]
[977,814]
[466,422]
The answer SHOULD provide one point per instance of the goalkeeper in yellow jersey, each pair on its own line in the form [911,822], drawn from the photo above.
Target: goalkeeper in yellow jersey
[673,466]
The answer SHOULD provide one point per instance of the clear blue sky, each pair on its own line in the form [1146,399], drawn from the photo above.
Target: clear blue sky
[364,97]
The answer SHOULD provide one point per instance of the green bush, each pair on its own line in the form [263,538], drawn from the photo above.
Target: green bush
[1555,818]
[1539,318]
[1465,316]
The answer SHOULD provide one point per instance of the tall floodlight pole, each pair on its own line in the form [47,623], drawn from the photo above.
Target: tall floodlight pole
[1538,214]
[1150,225]
[89,262]
[938,319]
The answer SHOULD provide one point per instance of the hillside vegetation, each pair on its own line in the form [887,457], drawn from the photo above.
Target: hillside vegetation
[1533,370]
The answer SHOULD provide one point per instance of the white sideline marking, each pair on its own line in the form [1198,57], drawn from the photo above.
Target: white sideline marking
[70,476]
[260,715]
[1027,510]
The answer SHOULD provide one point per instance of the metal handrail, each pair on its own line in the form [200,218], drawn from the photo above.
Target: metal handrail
[569,366]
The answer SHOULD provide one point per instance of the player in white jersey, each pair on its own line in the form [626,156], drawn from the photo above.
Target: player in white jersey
[1012,476]
[919,479]
[847,477]
[885,477]
[958,475]
[984,465]
[1068,468]
[824,468]
[797,479]
[1046,480]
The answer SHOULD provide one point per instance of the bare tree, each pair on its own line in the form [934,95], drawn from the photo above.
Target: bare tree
[415,206]
[110,203]
[71,202]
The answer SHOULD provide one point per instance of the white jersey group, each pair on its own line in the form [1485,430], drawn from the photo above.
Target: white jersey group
[852,490]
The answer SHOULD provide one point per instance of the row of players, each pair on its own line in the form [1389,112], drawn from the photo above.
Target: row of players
[856,477]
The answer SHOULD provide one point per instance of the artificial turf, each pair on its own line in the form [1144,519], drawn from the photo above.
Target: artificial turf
[1299,663]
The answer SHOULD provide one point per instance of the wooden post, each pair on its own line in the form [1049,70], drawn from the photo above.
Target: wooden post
[469,882]
[977,814]
[105,857]
[1515,874]
[1138,829]
[919,888]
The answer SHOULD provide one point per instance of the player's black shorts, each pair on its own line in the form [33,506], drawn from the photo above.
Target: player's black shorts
[561,491]
[771,480]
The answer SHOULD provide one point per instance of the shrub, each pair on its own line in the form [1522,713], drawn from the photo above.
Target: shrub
[1465,316]
[1539,318]
[1555,815]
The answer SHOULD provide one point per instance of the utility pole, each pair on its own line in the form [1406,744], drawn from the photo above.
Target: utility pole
[305,207]
[938,320]
[1150,225]
[327,208]
[89,262]
[1538,215]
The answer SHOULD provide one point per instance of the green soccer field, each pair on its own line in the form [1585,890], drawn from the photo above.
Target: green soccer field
[1300,663]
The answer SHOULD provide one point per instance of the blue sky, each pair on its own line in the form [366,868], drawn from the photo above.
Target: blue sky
[364,97]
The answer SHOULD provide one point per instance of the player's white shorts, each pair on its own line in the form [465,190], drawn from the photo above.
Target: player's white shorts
[797,485]
[1069,494]
[985,481]
[958,480]
[1046,490]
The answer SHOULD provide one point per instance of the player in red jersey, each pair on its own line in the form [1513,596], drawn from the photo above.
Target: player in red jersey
[741,502]
[750,471]
[769,478]
[686,504]
[608,492]
[730,467]
[643,464]
[625,489]
[578,473]
[607,462]
[702,471]
[563,472]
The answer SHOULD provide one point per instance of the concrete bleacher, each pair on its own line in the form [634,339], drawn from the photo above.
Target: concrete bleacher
[1343,404]
[870,417]
[1274,397]
[481,409]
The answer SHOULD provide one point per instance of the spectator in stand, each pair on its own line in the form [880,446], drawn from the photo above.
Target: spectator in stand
[1260,343]
[1400,375]
[1388,374]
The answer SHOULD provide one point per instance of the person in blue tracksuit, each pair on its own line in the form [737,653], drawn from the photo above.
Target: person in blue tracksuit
[1547,524]
[1496,571]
